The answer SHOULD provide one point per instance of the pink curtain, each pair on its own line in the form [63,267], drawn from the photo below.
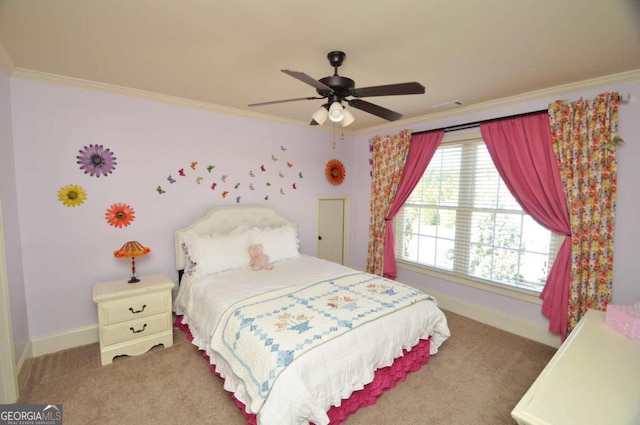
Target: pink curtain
[522,152]
[421,150]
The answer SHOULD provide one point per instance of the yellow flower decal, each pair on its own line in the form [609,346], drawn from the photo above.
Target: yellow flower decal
[335,172]
[72,195]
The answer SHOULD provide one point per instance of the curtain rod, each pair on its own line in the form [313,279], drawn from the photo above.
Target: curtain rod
[474,124]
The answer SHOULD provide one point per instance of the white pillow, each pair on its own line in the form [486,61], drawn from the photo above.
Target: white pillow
[218,253]
[280,243]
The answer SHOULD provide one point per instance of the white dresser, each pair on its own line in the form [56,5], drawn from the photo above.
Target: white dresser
[594,378]
[133,317]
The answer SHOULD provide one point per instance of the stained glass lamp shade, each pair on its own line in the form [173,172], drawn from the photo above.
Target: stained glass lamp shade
[132,250]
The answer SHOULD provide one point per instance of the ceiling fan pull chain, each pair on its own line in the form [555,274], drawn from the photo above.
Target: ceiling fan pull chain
[334,135]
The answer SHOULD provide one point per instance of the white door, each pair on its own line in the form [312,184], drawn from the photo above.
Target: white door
[331,230]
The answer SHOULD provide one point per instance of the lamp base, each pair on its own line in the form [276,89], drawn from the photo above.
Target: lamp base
[133,279]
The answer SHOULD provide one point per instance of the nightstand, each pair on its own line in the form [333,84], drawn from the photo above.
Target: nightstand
[133,317]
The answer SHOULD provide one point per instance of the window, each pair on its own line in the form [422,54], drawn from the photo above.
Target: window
[461,218]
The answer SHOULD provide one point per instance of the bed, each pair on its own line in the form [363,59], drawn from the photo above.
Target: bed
[308,341]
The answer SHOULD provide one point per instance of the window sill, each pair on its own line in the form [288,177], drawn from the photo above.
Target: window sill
[519,294]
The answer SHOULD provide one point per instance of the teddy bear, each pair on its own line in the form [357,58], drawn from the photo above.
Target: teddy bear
[259,260]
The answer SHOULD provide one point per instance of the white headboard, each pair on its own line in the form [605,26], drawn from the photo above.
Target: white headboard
[224,220]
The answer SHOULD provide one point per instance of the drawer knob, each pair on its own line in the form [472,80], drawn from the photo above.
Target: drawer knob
[137,311]
[139,330]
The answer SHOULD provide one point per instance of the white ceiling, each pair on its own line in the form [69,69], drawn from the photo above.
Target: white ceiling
[229,53]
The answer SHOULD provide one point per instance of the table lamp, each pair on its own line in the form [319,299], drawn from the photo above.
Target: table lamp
[132,250]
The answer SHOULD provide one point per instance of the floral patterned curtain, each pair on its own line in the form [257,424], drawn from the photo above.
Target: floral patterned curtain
[389,158]
[583,134]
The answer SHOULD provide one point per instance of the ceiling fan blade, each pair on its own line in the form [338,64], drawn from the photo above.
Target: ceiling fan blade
[306,79]
[273,102]
[379,111]
[389,90]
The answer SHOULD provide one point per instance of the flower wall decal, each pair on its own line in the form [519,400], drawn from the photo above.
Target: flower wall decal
[335,172]
[95,160]
[72,195]
[119,215]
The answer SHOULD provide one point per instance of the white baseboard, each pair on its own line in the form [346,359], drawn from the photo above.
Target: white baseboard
[525,328]
[515,325]
[89,334]
[62,341]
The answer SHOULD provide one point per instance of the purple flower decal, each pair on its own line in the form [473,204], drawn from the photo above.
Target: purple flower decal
[96,160]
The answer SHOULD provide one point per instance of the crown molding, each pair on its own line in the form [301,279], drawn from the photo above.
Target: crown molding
[5,60]
[27,74]
[607,80]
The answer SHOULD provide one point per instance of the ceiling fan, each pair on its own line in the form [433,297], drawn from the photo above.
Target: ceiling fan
[337,88]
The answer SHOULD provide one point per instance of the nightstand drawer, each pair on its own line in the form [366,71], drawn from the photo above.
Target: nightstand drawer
[121,332]
[134,308]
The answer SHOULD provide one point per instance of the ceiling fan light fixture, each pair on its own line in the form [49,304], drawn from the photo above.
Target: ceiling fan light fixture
[320,116]
[336,89]
[336,112]
[348,118]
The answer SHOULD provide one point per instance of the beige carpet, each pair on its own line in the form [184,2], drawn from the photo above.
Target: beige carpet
[477,378]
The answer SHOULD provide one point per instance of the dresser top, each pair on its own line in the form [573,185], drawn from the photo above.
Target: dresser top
[115,289]
[594,378]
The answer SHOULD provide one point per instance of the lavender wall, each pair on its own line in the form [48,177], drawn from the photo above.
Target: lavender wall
[11,228]
[626,287]
[66,250]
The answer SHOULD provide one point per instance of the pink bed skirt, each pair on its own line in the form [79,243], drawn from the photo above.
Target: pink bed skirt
[384,380]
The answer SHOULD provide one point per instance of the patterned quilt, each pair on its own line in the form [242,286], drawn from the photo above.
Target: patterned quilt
[260,336]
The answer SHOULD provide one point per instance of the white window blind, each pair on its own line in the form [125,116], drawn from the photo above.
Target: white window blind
[461,218]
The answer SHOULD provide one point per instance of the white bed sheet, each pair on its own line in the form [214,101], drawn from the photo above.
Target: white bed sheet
[304,391]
